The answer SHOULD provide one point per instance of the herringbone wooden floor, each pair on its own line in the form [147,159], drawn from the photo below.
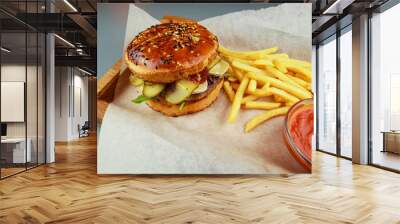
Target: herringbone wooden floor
[69,191]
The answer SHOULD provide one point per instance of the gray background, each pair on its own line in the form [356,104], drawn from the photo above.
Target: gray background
[112,17]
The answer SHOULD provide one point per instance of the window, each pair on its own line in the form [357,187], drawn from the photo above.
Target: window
[385,89]
[346,92]
[327,95]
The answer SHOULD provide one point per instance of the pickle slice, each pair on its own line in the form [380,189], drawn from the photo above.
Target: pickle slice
[183,89]
[135,80]
[152,89]
[220,68]
[214,62]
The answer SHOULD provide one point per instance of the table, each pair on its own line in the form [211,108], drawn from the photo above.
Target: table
[18,150]
[391,141]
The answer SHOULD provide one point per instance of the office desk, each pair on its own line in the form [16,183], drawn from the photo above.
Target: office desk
[16,147]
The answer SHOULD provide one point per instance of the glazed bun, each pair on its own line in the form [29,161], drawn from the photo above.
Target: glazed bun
[190,106]
[169,52]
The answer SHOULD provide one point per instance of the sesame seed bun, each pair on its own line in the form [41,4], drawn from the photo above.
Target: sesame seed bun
[169,52]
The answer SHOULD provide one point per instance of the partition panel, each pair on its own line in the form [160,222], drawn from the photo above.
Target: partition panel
[22,95]
[14,144]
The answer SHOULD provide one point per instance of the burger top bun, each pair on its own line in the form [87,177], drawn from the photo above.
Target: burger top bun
[169,52]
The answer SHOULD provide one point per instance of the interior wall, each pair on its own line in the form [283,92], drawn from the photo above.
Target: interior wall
[92,113]
[71,102]
[62,81]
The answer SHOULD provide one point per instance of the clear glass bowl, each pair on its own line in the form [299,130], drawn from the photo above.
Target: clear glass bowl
[295,150]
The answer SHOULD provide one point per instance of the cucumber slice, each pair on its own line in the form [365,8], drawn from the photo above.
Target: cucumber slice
[214,62]
[220,68]
[135,80]
[183,89]
[152,89]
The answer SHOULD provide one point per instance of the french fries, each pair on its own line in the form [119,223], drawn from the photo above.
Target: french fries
[280,66]
[254,122]
[296,91]
[232,79]
[264,80]
[247,54]
[283,95]
[252,86]
[262,63]
[257,92]
[249,98]
[261,93]
[237,101]
[292,61]
[301,82]
[261,105]
[281,76]
[276,56]
[238,74]
[229,91]
[247,68]
[301,70]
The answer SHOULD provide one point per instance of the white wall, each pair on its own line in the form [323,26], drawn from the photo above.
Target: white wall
[71,94]
[33,127]
[80,84]
[62,81]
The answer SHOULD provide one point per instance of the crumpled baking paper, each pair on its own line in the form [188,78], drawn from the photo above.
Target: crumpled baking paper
[134,139]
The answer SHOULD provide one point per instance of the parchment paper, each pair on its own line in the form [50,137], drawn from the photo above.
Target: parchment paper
[137,140]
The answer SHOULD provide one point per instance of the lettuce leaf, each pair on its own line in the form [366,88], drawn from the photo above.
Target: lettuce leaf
[140,99]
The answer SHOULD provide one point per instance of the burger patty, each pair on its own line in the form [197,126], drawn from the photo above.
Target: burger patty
[212,82]
[199,77]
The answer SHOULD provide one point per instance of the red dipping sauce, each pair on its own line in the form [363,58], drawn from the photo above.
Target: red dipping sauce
[299,129]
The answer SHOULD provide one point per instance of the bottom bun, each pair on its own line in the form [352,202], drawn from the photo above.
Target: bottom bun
[190,107]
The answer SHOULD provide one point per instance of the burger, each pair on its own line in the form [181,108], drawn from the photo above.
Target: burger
[176,67]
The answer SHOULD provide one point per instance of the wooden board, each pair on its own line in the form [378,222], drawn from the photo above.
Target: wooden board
[105,88]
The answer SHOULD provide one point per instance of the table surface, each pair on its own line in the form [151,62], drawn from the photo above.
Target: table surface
[391,132]
[13,140]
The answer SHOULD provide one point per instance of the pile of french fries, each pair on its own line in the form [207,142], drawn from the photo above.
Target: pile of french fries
[264,80]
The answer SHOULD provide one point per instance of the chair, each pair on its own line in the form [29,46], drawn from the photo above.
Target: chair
[84,130]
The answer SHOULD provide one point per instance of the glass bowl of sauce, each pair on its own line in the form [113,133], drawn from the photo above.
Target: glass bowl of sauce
[298,131]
